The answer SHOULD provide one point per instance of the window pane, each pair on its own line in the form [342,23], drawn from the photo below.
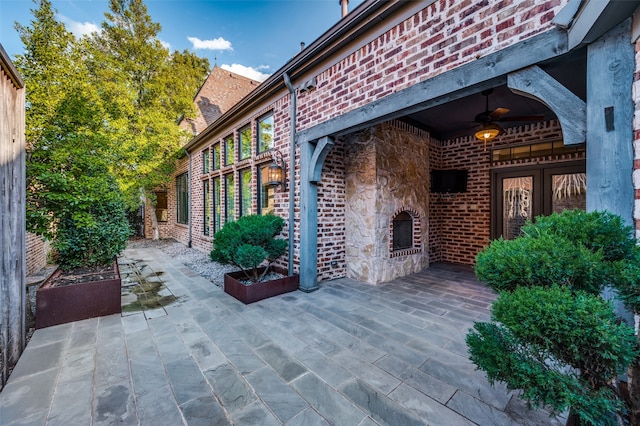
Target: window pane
[228,150]
[245,143]
[205,161]
[569,191]
[517,196]
[265,192]
[216,156]
[216,204]
[182,198]
[245,192]
[229,187]
[161,207]
[207,208]
[265,133]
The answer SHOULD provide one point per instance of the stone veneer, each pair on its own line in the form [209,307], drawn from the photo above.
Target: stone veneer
[387,171]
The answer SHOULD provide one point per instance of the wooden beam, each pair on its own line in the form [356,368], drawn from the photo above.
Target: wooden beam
[320,153]
[610,110]
[457,83]
[308,219]
[571,111]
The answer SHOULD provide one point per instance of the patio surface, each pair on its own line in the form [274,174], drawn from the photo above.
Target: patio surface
[347,354]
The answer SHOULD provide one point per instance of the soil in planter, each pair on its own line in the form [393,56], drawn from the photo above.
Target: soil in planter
[269,277]
[87,274]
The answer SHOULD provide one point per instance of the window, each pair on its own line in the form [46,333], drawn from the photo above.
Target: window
[228,150]
[216,204]
[182,198]
[265,192]
[245,192]
[216,156]
[265,133]
[206,161]
[229,201]
[402,231]
[207,208]
[245,143]
[162,212]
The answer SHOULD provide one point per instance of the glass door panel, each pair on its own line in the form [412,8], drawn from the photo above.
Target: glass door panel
[568,191]
[517,204]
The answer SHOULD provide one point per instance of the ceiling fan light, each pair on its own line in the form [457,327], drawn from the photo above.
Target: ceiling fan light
[488,131]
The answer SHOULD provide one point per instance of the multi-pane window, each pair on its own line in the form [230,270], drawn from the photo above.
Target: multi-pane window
[265,133]
[216,205]
[161,206]
[245,192]
[206,161]
[228,150]
[207,207]
[229,200]
[244,136]
[265,192]
[182,198]
[216,156]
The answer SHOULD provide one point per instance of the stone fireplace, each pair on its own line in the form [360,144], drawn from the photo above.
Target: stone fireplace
[387,194]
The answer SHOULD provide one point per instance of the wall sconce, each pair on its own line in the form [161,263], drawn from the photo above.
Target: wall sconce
[277,171]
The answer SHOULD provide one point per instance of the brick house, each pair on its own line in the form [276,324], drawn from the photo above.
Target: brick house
[423,130]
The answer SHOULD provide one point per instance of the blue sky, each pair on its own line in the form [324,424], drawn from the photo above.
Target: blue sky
[252,38]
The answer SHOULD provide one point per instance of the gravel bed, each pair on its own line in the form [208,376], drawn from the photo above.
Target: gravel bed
[190,257]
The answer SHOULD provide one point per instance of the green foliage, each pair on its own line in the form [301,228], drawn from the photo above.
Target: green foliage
[553,336]
[248,242]
[597,231]
[544,260]
[96,239]
[562,348]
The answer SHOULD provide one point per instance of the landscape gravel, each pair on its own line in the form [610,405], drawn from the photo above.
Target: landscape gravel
[193,258]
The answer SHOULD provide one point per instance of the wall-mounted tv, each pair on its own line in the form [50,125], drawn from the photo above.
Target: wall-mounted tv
[448,181]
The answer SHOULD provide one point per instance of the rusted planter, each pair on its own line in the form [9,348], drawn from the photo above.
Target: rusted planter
[259,291]
[62,304]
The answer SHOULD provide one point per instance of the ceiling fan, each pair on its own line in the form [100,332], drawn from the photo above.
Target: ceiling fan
[489,128]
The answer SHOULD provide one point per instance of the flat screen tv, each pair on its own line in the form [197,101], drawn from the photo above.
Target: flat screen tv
[448,181]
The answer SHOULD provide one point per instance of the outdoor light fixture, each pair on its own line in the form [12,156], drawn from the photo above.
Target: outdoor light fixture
[488,131]
[277,171]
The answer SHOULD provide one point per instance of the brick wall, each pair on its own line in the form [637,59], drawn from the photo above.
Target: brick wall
[37,250]
[441,37]
[459,225]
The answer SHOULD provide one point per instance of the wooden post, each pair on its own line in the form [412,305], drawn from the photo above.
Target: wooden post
[610,68]
[12,216]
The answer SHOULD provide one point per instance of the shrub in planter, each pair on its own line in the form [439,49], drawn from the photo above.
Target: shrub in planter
[96,238]
[562,348]
[249,243]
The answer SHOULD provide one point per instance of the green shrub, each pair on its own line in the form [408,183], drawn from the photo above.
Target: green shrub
[597,230]
[249,242]
[95,237]
[544,260]
[563,348]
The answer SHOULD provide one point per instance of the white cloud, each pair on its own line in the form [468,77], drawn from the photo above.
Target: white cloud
[263,67]
[165,44]
[246,71]
[79,29]
[214,44]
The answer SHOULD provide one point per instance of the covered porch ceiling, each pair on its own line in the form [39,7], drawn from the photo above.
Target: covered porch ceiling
[456,118]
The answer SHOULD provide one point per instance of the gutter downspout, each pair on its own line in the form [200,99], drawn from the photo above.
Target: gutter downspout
[292,168]
[190,200]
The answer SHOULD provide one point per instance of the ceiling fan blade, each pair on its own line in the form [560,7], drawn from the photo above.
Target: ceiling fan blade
[497,113]
[523,118]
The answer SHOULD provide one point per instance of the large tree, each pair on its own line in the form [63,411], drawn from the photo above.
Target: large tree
[69,151]
[146,90]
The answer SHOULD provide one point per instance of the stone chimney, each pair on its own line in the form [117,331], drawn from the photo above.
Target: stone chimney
[345,7]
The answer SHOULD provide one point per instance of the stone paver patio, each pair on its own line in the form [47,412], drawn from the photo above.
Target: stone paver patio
[347,354]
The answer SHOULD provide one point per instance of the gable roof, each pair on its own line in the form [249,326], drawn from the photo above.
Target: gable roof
[221,90]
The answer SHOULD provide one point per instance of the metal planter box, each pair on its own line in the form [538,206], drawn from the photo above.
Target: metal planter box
[259,291]
[62,304]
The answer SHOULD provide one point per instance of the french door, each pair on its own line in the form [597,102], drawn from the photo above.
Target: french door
[522,194]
